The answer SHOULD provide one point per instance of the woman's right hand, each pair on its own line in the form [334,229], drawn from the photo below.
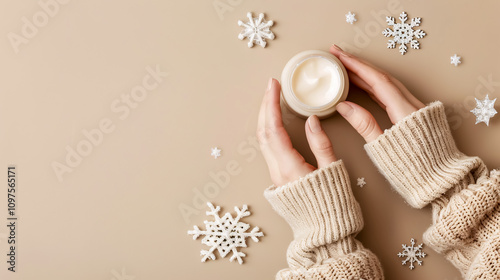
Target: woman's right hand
[386,90]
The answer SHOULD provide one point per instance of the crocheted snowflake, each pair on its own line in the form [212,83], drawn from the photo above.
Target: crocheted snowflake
[225,234]
[215,152]
[256,30]
[403,33]
[412,254]
[361,182]
[350,17]
[455,59]
[485,110]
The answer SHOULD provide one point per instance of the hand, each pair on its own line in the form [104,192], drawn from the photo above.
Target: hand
[284,162]
[386,90]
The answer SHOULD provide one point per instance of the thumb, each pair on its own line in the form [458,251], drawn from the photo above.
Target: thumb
[359,118]
[320,144]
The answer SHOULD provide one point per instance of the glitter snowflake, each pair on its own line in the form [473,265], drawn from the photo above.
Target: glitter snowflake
[403,33]
[455,59]
[361,182]
[256,30]
[350,18]
[485,109]
[216,152]
[225,234]
[412,254]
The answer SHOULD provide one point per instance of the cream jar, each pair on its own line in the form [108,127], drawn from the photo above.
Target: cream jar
[313,83]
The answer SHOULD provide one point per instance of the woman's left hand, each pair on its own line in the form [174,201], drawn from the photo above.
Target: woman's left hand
[285,163]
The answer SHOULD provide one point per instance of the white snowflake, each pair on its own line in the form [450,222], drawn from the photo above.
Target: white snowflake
[361,182]
[403,33]
[455,59]
[225,234]
[485,109]
[412,254]
[350,17]
[256,30]
[216,152]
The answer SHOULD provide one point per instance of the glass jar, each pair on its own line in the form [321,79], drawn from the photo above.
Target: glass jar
[313,83]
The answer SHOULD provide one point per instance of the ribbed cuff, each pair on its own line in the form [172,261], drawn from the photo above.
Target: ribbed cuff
[320,207]
[418,156]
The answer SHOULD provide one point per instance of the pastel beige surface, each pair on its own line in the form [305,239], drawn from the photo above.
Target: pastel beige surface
[118,209]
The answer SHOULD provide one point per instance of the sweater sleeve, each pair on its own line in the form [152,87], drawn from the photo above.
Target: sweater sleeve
[325,218]
[420,159]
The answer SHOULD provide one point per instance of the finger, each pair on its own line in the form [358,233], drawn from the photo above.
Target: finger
[341,54]
[262,111]
[261,130]
[359,82]
[320,144]
[270,110]
[275,143]
[360,119]
[338,52]
[374,76]
[355,79]
[412,99]
[273,119]
[390,92]
[380,82]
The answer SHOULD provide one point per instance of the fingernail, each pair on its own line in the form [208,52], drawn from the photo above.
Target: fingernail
[338,48]
[346,54]
[314,124]
[270,83]
[345,109]
[342,52]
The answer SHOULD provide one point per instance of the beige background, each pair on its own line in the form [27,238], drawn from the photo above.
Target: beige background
[116,215]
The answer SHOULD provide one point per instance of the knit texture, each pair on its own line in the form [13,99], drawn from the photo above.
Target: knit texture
[325,218]
[419,158]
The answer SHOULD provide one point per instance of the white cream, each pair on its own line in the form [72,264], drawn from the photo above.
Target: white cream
[316,81]
[313,83]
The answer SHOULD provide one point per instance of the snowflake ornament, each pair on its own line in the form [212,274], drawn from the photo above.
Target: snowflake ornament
[361,182]
[350,17]
[455,60]
[256,30]
[216,152]
[225,234]
[485,110]
[403,33]
[412,254]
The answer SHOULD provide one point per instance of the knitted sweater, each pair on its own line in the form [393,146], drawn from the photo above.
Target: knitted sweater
[419,158]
